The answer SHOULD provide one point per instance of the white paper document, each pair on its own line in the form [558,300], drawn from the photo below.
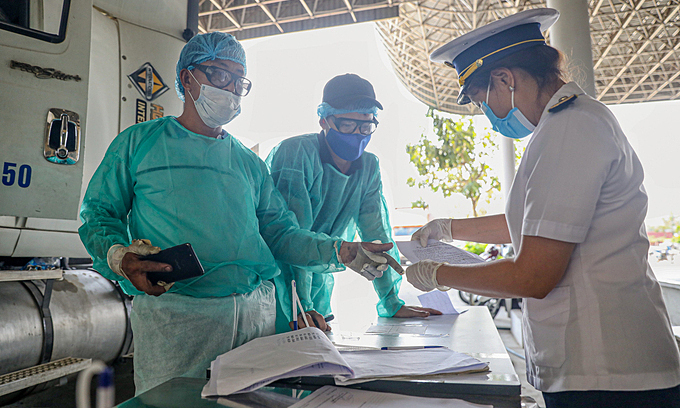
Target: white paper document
[369,365]
[439,300]
[305,352]
[335,397]
[308,352]
[437,251]
[396,329]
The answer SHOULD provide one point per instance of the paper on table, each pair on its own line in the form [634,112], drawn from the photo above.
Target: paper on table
[308,352]
[335,397]
[259,398]
[437,251]
[393,329]
[373,364]
[266,359]
[439,300]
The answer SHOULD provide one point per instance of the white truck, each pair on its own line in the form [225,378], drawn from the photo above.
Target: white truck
[73,74]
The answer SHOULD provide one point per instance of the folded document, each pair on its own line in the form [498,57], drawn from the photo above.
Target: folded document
[308,352]
[305,352]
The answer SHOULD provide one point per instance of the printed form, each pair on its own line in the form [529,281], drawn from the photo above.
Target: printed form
[437,251]
[334,397]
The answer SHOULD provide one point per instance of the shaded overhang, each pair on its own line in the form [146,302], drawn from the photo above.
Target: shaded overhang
[635,43]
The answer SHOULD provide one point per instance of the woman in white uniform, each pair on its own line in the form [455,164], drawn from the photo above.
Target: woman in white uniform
[596,330]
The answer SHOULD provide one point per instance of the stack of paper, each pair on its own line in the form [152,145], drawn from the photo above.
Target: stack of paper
[308,352]
[305,352]
[370,365]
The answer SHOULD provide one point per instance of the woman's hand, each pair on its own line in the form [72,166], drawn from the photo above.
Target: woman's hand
[423,275]
[439,229]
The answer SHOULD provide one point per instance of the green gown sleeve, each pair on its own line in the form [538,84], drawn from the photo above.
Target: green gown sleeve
[106,205]
[374,224]
[282,233]
[292,182]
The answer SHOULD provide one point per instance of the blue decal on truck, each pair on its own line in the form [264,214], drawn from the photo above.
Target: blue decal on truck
[10,175]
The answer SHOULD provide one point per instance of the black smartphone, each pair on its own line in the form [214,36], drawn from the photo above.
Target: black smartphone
[184,264]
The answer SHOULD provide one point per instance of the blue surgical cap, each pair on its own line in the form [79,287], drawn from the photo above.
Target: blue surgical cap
[325,110]
[208,47]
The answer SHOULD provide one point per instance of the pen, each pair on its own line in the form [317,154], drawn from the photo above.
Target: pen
[294,298]
[304,315]
[411,347]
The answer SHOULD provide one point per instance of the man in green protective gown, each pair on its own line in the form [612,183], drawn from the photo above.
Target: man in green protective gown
[333,186]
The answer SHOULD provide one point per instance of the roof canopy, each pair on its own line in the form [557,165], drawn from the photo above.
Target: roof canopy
[635,43]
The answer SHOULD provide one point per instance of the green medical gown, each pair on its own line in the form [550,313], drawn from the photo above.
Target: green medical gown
[161,182]
[328,201]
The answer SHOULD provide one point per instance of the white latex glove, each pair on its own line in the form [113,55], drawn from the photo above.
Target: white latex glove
[423,275]
[368,264]
[115,255]
[439,229]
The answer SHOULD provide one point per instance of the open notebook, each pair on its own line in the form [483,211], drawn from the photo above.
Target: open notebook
[308,352]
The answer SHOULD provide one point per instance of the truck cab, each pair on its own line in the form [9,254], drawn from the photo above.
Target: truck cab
[75,73]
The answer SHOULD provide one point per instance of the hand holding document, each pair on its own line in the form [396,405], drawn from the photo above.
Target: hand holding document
[334,397]
[437,251]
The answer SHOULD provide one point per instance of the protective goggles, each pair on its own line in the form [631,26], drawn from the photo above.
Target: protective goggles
[221,78]
[346,125]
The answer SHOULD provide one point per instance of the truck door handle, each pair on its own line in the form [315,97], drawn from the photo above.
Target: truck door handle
[62,151]
[62,137]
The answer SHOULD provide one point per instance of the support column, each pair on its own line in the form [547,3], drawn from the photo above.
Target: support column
[571,35]
[508,156]
[508,175]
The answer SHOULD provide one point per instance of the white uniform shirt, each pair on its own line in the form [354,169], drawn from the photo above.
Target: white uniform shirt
[604,326]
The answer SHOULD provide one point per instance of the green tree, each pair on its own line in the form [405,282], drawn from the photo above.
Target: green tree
[670,224]
[455,162]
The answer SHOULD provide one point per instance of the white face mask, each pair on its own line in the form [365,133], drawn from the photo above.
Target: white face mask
[215,106]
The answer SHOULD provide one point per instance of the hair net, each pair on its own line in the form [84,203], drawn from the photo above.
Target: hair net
[325,110]
[208,47]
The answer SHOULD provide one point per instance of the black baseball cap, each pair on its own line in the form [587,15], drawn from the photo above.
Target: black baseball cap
[345,90]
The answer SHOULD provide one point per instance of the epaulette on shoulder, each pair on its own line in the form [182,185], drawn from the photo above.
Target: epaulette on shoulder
[562,103]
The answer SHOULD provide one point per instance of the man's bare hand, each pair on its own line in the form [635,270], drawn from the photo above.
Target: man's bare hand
[313,317]
[135,269]
[416,311]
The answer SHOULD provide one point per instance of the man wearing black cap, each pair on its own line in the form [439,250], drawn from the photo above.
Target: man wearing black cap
[334,187]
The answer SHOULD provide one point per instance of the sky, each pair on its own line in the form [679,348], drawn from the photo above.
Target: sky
[289,72]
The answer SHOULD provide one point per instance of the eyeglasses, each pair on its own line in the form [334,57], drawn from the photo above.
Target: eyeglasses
[345,125]
[221,78]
